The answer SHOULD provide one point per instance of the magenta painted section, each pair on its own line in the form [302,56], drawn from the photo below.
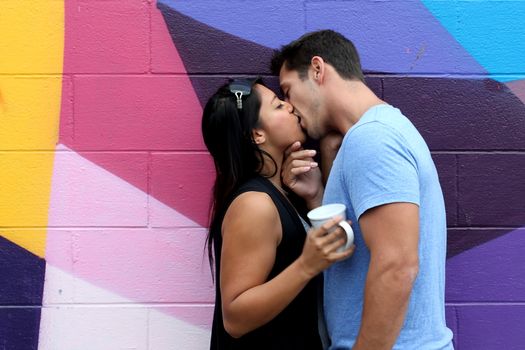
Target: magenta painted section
[106,36]
[66,127]
[184,182]
[136,113]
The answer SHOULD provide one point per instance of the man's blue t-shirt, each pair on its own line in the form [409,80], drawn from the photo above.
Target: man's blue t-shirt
[383,159]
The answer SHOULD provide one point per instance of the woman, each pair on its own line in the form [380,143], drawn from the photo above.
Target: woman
[266,267]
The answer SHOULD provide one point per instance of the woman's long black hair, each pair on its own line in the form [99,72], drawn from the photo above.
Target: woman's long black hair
[227,133]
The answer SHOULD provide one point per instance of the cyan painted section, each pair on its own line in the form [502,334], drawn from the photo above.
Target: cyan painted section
[491,31]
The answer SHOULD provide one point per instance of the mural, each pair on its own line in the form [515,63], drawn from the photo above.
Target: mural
[106,181]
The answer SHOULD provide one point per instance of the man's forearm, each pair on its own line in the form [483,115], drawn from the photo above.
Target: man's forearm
[387,294]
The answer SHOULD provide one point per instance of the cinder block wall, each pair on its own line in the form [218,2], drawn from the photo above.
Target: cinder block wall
[106,182]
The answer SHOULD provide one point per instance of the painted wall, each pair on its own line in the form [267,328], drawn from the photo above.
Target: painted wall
[105,179]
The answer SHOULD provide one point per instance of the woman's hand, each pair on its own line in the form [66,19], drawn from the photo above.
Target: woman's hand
[320,248]
[301,174]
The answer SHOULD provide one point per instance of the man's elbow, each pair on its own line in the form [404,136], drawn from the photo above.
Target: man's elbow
[403,272]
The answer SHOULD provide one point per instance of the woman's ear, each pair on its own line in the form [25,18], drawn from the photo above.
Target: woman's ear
[259,136]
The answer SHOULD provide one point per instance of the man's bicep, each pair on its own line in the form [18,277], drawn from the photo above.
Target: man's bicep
[392,230]
[379,170]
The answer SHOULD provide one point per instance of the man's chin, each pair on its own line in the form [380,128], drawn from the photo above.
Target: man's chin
[303,137]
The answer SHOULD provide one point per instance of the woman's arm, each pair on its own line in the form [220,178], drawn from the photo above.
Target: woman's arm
[251,233]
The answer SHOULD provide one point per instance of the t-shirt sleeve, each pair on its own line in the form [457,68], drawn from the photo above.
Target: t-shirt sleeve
[379,168]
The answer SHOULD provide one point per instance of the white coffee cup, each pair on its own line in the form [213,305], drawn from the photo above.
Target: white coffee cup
[322,214]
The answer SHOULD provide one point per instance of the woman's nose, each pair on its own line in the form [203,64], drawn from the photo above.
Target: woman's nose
[290,107]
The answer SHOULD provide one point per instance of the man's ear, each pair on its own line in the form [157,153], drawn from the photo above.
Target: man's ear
[317,64]
[259,136]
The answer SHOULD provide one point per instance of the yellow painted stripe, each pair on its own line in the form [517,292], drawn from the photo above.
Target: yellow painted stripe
[32,39]
[32,47]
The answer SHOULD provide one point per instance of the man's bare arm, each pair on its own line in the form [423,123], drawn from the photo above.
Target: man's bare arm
[391,232]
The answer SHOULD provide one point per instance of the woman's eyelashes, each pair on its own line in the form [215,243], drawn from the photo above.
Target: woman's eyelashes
[280,106]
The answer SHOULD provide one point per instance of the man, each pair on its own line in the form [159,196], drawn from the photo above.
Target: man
[390,294]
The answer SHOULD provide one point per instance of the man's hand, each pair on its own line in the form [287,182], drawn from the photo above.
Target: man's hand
[301,174]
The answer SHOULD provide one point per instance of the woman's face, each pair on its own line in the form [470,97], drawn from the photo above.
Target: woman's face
[280,126]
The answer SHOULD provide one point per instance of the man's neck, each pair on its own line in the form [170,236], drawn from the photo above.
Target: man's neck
[349,102]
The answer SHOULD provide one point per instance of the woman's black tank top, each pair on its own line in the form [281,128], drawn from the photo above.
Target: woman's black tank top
[296,326]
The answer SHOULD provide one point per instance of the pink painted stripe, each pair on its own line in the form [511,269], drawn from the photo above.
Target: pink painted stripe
[143,264]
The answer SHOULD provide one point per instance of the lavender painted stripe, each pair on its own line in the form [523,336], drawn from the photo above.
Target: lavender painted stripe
[394,36]
[491,272]
[491,327]
[270,23]
[460,114]
[491,189]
